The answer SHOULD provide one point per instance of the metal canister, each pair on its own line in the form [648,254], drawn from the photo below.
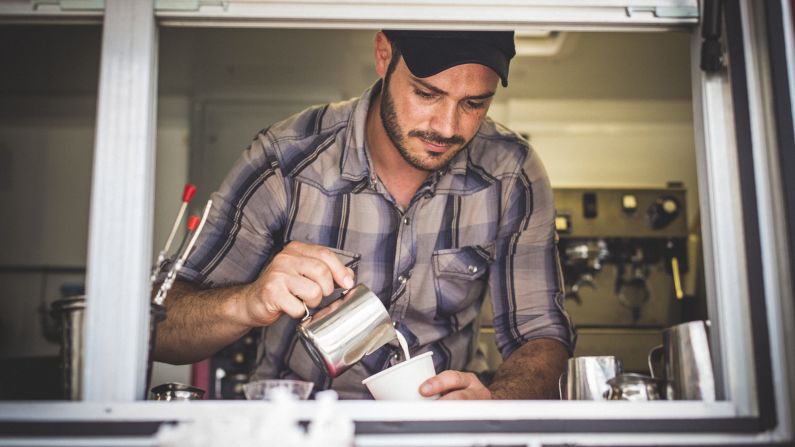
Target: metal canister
[340,334]
[70,312]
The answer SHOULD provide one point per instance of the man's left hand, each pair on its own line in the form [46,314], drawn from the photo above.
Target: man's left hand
[455,385]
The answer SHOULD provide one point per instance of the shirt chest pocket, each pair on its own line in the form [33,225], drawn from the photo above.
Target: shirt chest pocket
[460,277]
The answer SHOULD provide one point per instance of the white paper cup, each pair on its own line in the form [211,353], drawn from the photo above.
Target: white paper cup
[402,381]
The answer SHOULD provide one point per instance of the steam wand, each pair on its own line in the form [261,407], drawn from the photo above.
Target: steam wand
[175,268]
[193,223]
[187,195]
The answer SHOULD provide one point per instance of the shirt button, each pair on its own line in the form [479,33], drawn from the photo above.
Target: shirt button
[406,221]
[402,279]
[472,269]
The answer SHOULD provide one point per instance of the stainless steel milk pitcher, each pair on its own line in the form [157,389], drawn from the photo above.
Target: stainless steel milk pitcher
[586,377]
[635,387]
[340,334]
[177,392]
[686,362]
[71,313]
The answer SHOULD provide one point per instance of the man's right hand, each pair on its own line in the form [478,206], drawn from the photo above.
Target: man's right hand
[300,272]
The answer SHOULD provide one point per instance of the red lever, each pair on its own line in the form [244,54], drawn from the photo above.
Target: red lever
[188,192]
[193,223]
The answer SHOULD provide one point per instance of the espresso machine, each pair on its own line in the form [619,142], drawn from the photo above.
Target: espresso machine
[623,254]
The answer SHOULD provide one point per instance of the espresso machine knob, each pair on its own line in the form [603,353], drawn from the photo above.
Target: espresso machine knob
[663,211]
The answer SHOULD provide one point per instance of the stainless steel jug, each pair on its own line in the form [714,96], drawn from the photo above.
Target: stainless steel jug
[685,362]
[340,334]
[70,313]
[635,387]
[586,377]
[174,391]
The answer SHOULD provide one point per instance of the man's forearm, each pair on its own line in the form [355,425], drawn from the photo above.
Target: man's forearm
[531,372]
[198,323]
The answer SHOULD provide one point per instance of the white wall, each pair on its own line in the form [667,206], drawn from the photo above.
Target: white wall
[46,143]
[610,143]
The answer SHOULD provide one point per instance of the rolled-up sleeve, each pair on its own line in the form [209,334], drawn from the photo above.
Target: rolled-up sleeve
[248,211]
[525,282]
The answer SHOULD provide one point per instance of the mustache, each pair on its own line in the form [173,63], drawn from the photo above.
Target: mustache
[435,138]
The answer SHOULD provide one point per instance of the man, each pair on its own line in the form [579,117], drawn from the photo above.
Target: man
[409,189]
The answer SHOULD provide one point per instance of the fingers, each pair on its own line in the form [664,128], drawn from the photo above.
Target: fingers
[455,385]
[275,293]
[307,291]
[299,260]
[465,394]
[443,382]
[311,280]
[341,275]
[300,273]
[293,307]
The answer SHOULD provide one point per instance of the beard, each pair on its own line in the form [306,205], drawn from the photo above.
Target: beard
[398,138]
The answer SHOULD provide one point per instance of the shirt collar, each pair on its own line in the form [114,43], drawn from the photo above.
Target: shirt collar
[356,163]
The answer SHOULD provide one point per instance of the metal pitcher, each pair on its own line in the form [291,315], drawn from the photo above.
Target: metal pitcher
[340,334]
[635,387]
[71,313]
[586,377]
[176,392]
[684,361]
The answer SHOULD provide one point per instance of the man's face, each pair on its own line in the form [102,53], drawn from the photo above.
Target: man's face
[429,120]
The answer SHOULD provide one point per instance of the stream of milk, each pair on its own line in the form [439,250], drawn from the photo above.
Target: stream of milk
[403,345]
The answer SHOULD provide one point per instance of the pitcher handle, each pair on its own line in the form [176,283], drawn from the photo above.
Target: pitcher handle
[655,356]
[560,384]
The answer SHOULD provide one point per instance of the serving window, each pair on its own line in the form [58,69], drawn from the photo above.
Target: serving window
[667,179]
